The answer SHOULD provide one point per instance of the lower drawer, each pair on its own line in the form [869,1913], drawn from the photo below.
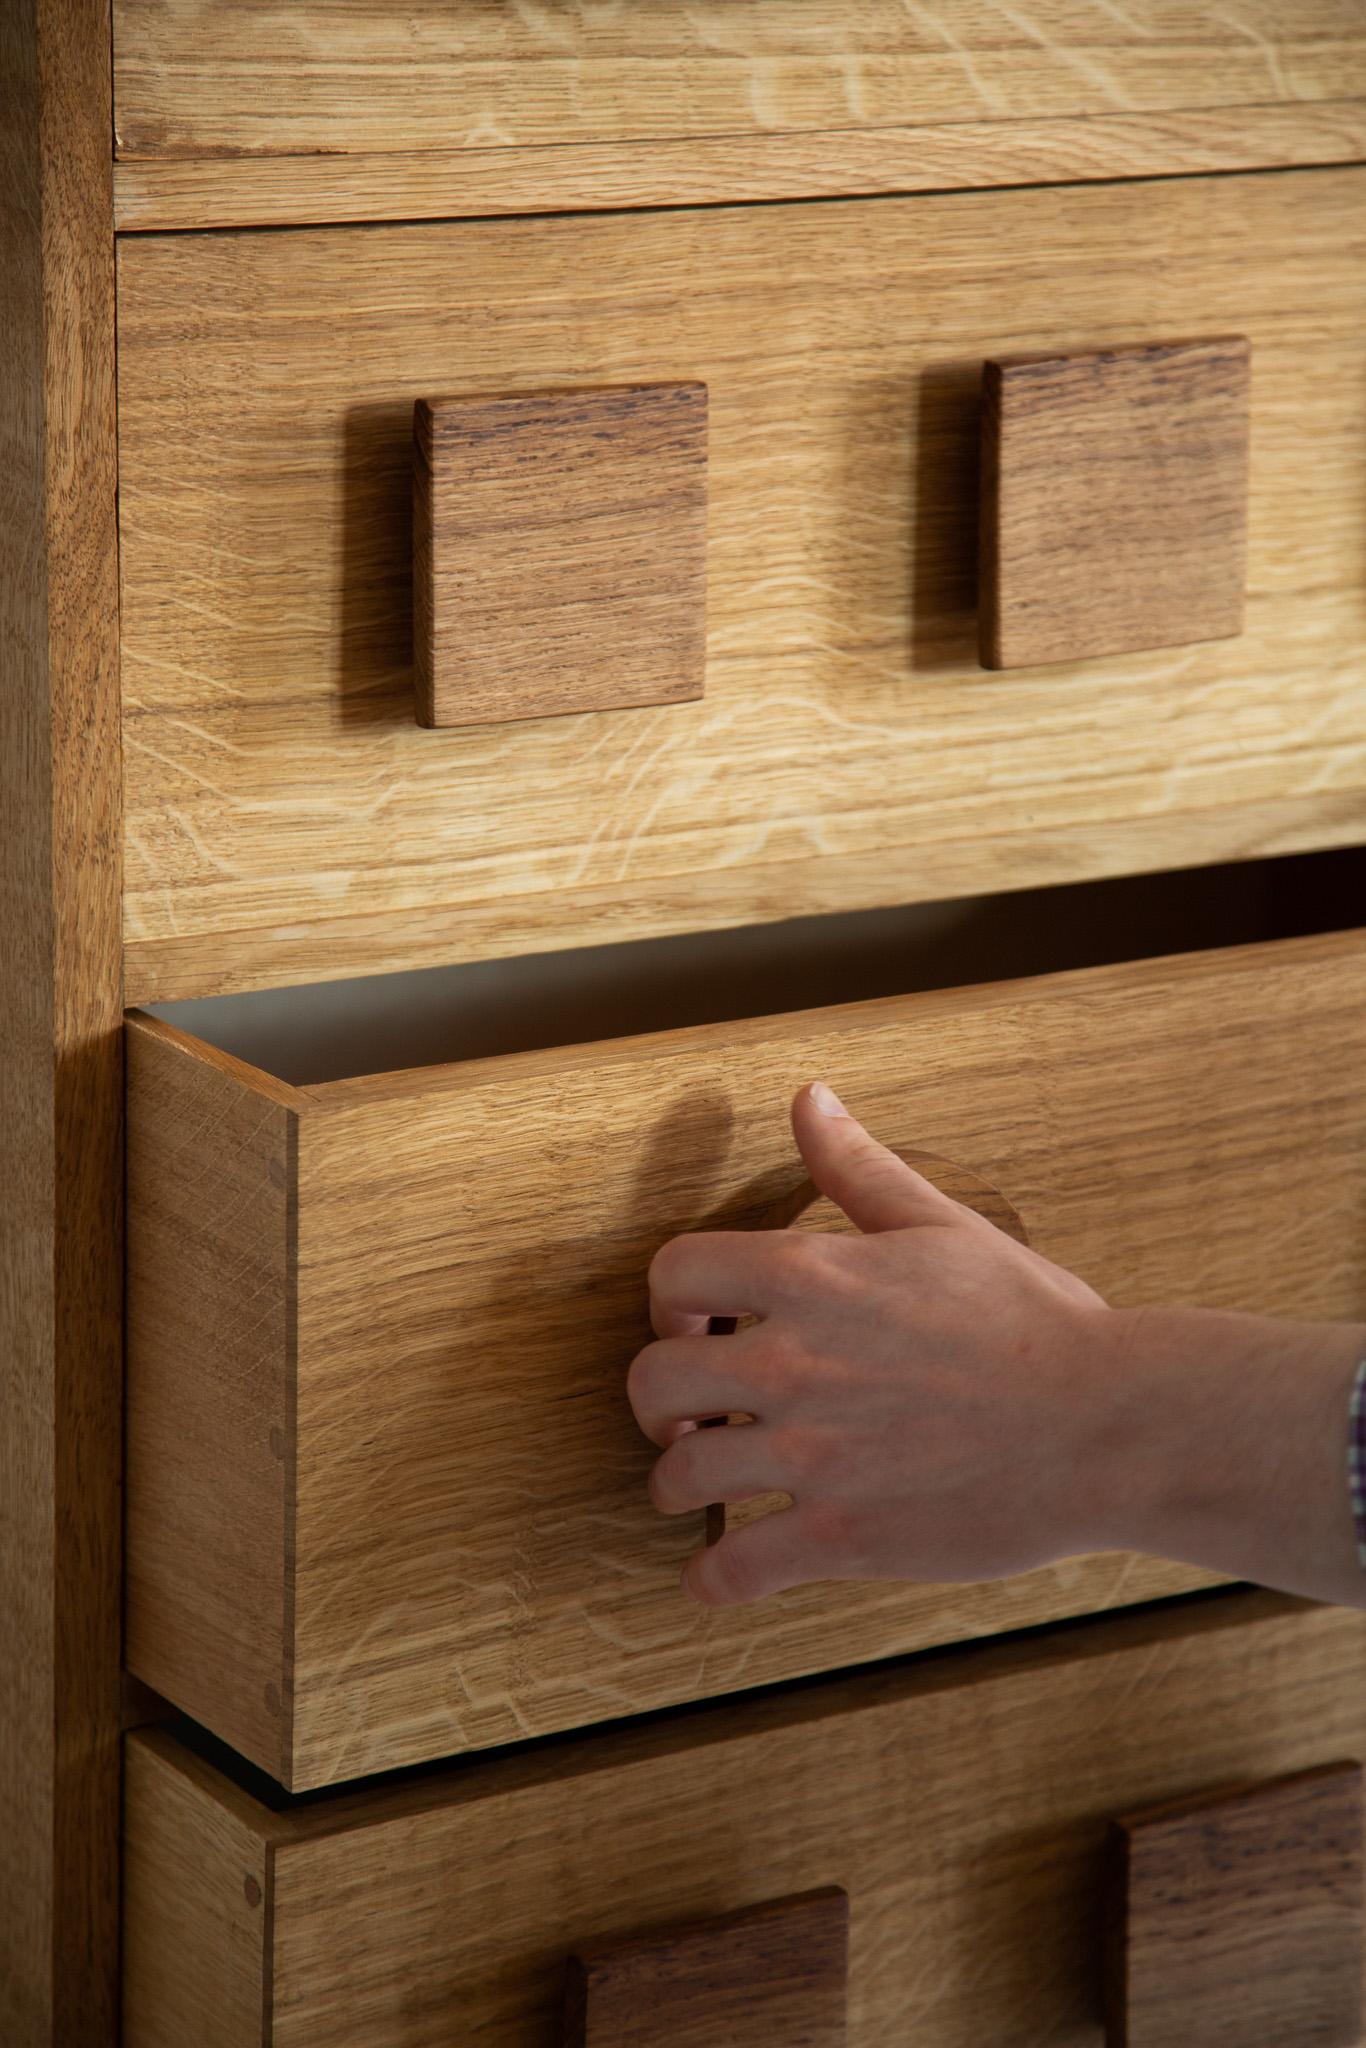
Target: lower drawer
[962,1802]
[386,1500]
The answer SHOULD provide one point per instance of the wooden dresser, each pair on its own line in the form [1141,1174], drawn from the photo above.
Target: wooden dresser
[566,569]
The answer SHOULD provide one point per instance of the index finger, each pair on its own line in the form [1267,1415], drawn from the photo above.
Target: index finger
[710,1273]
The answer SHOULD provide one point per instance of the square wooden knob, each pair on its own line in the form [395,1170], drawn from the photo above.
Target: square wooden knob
[1114,500]
[775,1976]
[1235,1920]
[559,552]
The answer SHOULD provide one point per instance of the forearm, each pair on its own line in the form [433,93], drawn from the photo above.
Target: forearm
[1226,1447]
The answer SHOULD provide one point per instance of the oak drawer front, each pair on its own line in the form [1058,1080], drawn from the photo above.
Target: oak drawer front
[348,76]
[385,1498]
[964,1806]
[287,815]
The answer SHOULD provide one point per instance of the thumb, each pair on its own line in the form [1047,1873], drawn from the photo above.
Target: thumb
[875,1189]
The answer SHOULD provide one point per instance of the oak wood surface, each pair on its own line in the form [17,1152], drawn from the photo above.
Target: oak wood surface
[475,1556]
[197,1881]
[206,192]
[1114,500]
[962,1802]
[1235,1918]
[278,956]
[61,1073]
[346,75]
[281,799]
[559,552]
[772,1973]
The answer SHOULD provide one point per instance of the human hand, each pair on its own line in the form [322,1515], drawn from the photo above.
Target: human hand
[930,1393]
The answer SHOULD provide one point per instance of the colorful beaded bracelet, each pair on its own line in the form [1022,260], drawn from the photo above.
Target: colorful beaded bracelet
[1356,1457]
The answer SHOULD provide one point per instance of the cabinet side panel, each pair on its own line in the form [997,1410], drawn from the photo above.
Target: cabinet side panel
[61,1075]
[210,1340]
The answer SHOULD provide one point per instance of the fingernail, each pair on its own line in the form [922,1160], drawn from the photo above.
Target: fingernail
[826,1100]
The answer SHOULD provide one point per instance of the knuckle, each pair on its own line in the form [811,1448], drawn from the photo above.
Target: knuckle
[800,1258]
[641,1375]
[664,1264]
[799,1455]
[833,1529]
[729,1579]
[663,1484]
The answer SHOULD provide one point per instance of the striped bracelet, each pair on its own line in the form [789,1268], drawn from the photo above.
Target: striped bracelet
[1356,1458]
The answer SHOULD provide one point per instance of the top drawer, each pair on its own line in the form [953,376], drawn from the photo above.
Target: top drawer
[360,75]
[288,818]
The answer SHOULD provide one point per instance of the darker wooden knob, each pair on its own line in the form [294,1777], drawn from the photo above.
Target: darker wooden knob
[1234,1920]
[1114,500]
[559,552]
[774,1976]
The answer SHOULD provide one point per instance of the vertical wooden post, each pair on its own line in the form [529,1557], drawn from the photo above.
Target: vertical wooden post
[60,1067]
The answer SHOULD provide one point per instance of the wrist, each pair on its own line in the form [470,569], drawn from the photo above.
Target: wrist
[1223,1443]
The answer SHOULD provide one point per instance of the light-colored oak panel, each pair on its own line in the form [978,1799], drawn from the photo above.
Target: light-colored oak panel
[962,1803]
[475,1556]
[275,773]
[349,75]
[281,956]
[206,192]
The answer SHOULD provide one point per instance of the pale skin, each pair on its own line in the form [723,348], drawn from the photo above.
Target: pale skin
[942,1403]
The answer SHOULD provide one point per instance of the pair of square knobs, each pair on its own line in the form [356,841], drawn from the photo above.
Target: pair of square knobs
[1232,1919]
[560,537]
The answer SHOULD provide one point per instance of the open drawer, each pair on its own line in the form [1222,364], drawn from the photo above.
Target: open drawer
[386,1499]
[966,1806]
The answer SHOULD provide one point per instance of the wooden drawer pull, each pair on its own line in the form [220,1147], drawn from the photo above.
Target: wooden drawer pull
[774,1976]
[806,1208]
[1234,1920]
[559,552]
[1114,500]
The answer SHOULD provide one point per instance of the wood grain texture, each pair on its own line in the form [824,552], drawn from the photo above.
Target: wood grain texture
[961,1803]
[274,191]
[848,739]
[559,552]
[197,1912]
[349,75]
[210,1389]
[773,1973]
[1235,1919]
[476,1558]
[61,1083]
[1114,500]
[806,1208]
[334,949]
